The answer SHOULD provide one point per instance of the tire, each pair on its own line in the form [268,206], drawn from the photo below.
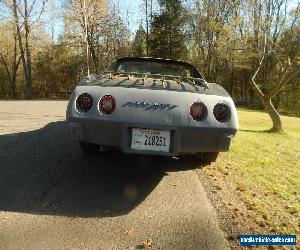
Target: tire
[209,157]
[89,148]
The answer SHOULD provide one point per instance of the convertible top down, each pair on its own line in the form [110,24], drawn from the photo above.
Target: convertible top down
[152,106]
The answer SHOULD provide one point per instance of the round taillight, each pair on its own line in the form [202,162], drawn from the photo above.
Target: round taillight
[85,102]
[198,111]
[107,104]
[221,112]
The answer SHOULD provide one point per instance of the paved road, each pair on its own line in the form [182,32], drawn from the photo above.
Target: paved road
[53,197]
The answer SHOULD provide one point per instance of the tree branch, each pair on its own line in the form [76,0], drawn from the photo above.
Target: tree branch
[252,82]
[283,82]
[6,67]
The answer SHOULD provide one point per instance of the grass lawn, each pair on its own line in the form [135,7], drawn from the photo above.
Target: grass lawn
[264,169]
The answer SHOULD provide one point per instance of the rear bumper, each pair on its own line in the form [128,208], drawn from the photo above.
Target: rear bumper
[184,140]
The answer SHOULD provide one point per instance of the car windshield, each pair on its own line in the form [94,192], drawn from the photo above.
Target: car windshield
[156,68]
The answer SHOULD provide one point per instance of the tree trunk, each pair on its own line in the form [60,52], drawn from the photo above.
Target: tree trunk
[277,125]
[266,100]
[28,53]
[94,57]
[6,69]
[12,73]
[147,29]
[14,77]
[17,25]
[15,68]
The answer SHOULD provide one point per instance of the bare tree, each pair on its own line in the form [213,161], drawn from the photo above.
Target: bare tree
[23,31]
[91,17]
[148,8]
[12,73]
[102,26]
[289,67]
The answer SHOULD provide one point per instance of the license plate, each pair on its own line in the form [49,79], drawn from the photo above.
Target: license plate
[150,139]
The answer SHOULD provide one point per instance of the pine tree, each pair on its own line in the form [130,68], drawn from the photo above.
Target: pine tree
[139,44]
[167,39]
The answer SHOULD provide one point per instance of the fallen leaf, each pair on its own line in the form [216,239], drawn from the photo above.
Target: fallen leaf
[146,244]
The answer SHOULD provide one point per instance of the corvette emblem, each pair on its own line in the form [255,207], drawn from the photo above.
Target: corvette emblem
[150,106]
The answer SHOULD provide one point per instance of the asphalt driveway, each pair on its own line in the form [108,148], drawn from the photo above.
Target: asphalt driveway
[54,197]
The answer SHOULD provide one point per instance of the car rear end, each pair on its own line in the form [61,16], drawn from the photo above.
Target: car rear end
[152,121]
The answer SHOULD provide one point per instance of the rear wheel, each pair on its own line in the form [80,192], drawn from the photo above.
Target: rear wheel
[89,148]
[207,157]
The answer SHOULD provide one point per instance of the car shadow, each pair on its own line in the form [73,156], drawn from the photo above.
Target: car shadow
[44,172]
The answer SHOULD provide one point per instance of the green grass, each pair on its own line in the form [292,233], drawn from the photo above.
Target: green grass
[266,166]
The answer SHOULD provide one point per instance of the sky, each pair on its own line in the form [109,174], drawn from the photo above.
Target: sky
[130,11]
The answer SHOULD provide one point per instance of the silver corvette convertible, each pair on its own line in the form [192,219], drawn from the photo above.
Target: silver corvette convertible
[154,107]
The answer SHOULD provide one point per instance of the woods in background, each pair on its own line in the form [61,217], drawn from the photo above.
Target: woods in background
[250,47]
